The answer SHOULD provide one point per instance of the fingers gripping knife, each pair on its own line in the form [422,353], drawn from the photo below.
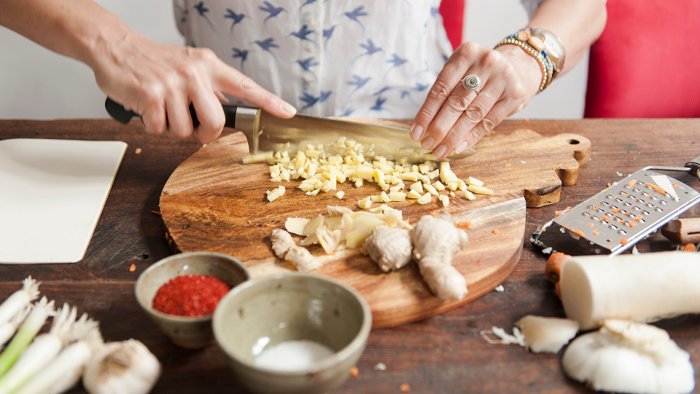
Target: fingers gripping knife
[618,217]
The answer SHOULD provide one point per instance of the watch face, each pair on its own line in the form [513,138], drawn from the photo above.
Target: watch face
[553,46]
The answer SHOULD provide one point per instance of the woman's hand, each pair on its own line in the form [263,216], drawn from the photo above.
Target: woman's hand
[160,81]
[454,118]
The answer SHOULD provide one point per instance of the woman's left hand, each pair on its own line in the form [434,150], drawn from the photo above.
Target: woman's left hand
[453,118]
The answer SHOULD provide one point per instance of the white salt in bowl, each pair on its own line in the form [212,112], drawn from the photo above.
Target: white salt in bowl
[292,333]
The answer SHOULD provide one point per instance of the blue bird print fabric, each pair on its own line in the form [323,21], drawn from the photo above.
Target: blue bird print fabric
[327,57]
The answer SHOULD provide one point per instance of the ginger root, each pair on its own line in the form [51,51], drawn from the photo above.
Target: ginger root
[389,247]
[285,248]
[435,242]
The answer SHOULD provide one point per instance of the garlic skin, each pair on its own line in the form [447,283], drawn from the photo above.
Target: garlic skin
[629,357]
[546,334]
[122,367]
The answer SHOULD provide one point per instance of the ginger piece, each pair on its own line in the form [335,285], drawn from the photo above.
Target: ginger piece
[435,242]
[302,258]
[285,248]
[389,247]
[282,241]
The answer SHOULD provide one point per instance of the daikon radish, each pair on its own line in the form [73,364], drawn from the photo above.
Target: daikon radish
[642,288]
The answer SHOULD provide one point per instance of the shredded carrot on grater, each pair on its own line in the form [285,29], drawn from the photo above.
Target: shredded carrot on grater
[623,241]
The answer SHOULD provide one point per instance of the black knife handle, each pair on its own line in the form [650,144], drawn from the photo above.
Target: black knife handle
[122,115]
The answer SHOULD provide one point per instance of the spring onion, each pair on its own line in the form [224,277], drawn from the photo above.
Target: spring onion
[16,302]
[25,334]
[8,329]
[42,350]
[64,371]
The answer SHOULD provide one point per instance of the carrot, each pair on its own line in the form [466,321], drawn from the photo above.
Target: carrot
[354,372]
[552,271]
[623,241]
[405,388]
[689,248]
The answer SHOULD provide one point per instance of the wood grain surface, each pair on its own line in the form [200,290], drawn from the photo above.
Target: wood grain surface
[442,354]
[213,202]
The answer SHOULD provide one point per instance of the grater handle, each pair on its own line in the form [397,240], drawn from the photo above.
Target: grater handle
[694,166]
[683,231]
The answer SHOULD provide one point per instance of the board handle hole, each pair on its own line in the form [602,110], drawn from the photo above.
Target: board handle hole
[574,142]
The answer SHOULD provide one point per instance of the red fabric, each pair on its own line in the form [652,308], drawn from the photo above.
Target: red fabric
[647,61]
[452,12]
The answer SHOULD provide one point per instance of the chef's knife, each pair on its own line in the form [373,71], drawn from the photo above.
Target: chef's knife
[265,132]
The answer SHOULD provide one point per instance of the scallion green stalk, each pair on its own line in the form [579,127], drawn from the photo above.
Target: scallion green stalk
[24,336]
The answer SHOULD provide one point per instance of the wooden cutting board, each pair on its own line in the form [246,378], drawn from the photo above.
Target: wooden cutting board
[213,202]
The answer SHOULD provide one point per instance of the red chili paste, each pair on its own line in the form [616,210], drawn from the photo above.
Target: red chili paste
[190,295]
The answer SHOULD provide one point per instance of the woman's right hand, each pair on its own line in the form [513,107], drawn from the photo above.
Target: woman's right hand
[160,81]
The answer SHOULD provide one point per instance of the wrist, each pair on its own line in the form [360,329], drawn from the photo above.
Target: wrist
[525,65]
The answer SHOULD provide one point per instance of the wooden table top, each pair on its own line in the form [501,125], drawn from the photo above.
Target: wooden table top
[444,354]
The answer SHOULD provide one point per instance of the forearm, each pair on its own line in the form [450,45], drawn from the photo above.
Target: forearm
[577,23]
[79,29]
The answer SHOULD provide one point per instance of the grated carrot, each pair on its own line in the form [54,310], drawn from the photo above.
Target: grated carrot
[354,372]
[689,248]
[405,388]
[465,224]
[132,267]
[623,241]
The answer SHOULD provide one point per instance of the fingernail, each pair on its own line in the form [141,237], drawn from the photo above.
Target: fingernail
[428,143]
[462,147]
[416,132]
[289,109]
[440,152]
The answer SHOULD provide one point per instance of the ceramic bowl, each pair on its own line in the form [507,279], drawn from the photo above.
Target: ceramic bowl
[187,332]
[265,312]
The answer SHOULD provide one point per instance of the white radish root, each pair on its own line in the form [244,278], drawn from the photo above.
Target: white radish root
[643,288]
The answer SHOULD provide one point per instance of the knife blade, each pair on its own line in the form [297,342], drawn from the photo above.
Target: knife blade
[265,132]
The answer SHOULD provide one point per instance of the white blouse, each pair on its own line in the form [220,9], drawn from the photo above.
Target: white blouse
[327,57]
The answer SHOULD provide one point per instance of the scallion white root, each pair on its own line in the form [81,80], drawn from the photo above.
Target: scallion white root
[122,367]
[64,371]
[25,334]
[42,350]
[15,303]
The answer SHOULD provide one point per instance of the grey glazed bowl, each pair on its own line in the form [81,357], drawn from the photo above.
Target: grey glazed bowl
[187,332]
[289,307]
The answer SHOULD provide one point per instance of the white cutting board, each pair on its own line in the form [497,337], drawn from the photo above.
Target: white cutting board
[51,195]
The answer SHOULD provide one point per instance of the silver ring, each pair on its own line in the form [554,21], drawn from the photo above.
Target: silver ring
[471,82]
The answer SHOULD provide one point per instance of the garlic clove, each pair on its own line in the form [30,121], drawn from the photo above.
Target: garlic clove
[546,334]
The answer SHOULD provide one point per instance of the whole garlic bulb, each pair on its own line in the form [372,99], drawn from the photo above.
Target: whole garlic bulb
[122,367]
[629,357]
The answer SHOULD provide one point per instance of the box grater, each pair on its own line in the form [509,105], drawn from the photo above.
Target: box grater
[618,217]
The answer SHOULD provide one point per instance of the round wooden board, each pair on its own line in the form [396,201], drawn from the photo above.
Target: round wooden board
[213,202]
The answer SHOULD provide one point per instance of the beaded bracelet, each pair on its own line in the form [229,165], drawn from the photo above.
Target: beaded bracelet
[541,57]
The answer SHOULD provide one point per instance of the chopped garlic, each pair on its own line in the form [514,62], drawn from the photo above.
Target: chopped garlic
[479,189]
[320,168]
[425,199]
[340,194]
[365,203]
[473,181]
[275,193]
[444,200]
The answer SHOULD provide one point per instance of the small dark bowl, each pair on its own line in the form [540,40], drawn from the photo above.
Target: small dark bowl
[186,332]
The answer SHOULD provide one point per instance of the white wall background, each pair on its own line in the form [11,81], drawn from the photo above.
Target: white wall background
[38,84]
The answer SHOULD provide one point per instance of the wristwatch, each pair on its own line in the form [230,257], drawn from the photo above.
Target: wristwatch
[545,40]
